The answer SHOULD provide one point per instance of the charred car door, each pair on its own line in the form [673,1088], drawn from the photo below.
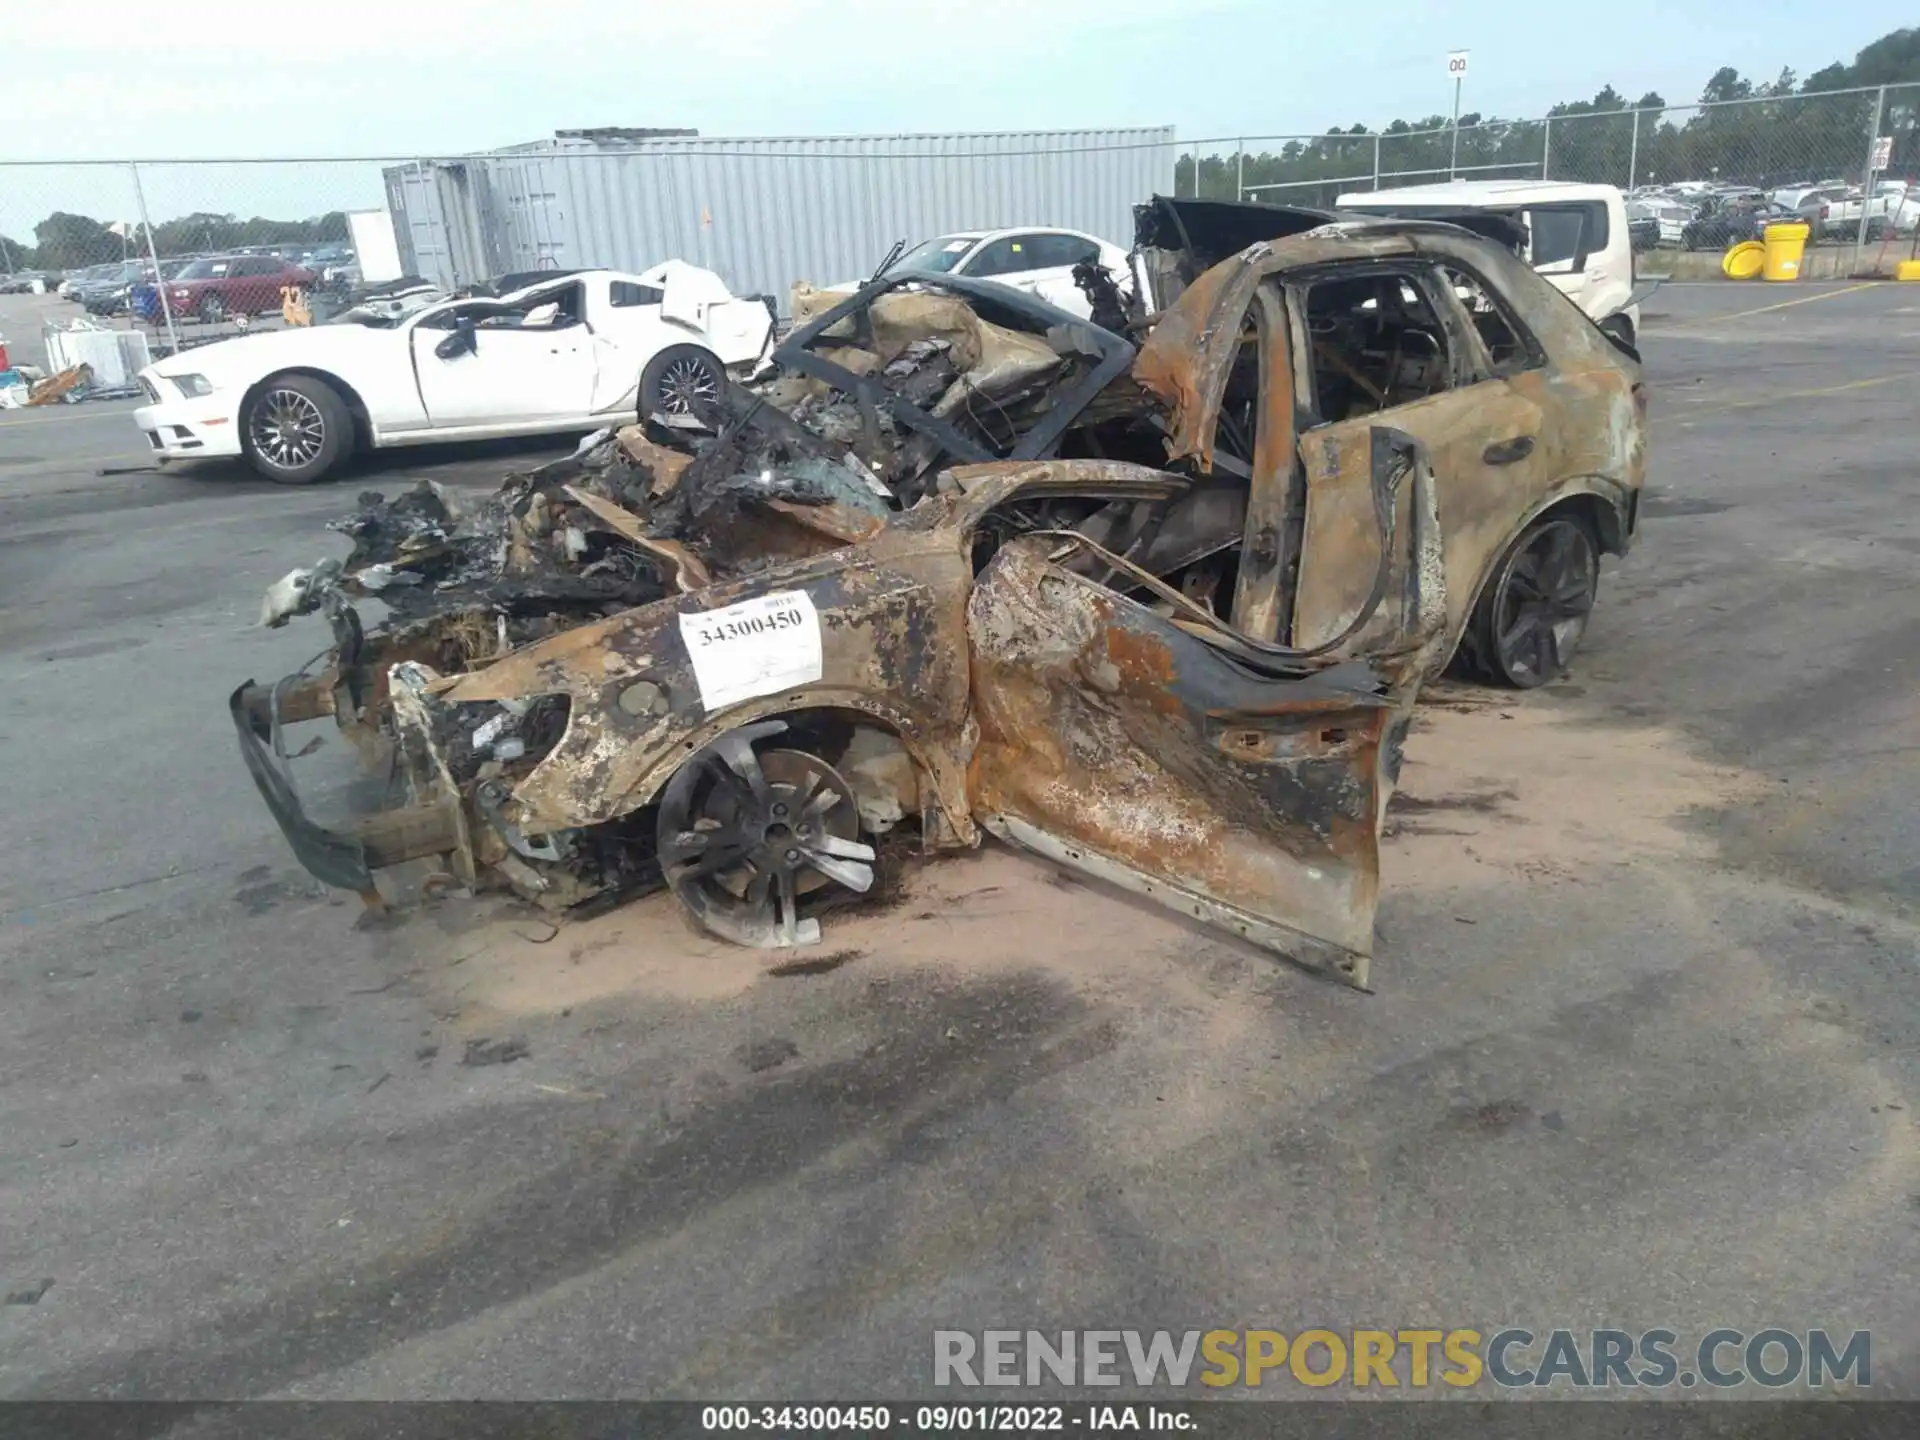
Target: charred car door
[1390,343]
[1133,733]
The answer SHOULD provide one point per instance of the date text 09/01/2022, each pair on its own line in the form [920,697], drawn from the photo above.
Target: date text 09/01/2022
[942,1419]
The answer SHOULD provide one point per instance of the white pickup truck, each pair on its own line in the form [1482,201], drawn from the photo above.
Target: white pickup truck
[1892,206]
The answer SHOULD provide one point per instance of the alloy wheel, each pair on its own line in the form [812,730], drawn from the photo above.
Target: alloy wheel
[287,429]
[688,386]
[744,834]
[1546,596]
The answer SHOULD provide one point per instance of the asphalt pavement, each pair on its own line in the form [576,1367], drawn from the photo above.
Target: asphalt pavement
[1642,1051]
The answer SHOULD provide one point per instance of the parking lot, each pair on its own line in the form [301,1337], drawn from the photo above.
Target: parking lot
[1644,1047]
[23,316]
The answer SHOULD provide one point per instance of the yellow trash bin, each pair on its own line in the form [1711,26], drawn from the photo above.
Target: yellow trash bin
[1784,245]
[1744,261]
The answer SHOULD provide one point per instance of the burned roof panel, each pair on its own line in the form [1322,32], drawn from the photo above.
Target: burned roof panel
[1211,230]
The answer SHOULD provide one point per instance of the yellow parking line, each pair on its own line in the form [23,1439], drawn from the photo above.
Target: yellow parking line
[1703,320]
[1777,396]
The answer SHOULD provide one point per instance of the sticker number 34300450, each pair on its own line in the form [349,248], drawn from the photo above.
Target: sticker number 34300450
[755,647]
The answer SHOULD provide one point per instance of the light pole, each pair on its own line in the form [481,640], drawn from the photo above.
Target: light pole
[1457,68]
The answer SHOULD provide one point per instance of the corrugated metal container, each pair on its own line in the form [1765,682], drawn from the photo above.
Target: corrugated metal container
[439,222]
[117,356]
[763,213]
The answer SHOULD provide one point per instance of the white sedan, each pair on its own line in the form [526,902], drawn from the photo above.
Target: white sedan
[573,353]
[1037,260]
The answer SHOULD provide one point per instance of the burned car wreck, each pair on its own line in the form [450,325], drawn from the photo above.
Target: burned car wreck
[1152,598]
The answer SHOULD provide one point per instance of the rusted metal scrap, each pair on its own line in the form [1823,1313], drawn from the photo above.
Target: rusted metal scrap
[58,387]
[966,564]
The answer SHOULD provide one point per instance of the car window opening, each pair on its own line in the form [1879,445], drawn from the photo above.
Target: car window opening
[543,312]
[626,294]
[1239,418]
[1564,235]
[937,256]
[1499,332]
[1376,344]
[1006,256]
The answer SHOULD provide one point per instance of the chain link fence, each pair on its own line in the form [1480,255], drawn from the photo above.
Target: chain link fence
[115,239]
[108,243]
[1703,175]
[194,251]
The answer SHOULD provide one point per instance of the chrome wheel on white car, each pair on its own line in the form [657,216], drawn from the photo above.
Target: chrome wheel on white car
[296,429]
[681,380]
[287,429]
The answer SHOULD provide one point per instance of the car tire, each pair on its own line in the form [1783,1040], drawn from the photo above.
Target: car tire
[680,379]
[296,429]
[1536,604]
[212,310]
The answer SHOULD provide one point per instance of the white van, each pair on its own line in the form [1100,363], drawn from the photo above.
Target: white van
[1577,235]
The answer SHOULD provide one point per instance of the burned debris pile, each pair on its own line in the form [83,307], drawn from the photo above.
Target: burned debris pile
[959,564]
[874,397]
[872,400]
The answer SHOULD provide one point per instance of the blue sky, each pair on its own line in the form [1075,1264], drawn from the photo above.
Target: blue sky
[358,78]
[355,78]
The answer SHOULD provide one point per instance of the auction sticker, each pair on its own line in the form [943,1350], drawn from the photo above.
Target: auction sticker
[756,647]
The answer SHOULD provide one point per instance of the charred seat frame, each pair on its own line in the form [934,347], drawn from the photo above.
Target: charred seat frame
[992,302]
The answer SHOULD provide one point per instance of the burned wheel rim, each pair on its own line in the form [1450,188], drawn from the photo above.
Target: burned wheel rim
[746,833]
[687,386]
[1546,595]
[287,429]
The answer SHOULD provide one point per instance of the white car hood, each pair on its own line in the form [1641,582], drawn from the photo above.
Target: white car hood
[248,357]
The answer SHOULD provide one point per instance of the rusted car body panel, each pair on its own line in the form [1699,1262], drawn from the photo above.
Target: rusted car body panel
[1117,742]
[893,633]
[1194,685]
[1585,416]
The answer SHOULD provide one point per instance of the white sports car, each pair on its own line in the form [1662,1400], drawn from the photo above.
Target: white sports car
[576,352]
[1037,259]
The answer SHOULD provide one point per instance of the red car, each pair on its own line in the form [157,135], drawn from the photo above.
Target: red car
[222,285]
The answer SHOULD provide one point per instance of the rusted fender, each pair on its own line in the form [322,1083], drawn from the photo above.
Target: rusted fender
[893,632]
[892,617]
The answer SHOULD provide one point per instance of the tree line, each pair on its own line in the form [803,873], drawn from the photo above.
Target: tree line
[65,241]
[1792,129]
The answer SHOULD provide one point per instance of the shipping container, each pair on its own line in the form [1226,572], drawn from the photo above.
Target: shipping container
[764,213]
